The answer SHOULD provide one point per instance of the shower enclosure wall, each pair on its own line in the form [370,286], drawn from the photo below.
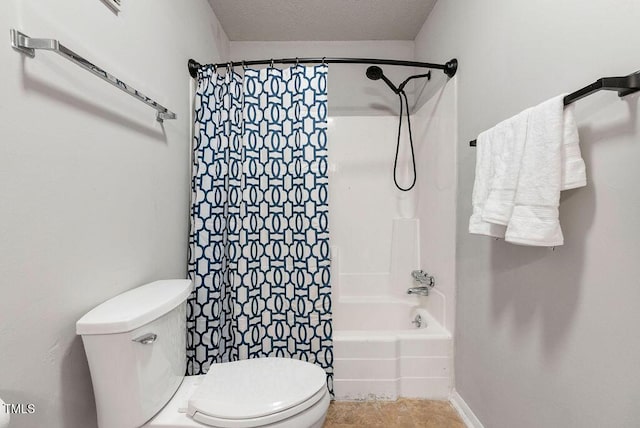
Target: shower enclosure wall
[379,234]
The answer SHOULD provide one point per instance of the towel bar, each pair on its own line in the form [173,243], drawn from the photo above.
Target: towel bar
[624,85]
[27,45]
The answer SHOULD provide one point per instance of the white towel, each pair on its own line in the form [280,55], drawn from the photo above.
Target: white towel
[501,197]
[502,190]
[534,220]
[573,170]
[489,144]
[498,173]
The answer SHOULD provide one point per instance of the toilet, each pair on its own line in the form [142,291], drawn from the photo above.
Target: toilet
[136,348]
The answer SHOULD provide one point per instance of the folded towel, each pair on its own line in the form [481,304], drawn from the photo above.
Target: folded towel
[547,134]
[534,220]
[489,145]
[501,197]
[502,190]
[573,170]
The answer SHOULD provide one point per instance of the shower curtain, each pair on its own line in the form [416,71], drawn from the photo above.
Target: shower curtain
[259,241]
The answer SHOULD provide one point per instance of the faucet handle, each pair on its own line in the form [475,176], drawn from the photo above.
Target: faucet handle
[417,321]
[422,277]
[419,275]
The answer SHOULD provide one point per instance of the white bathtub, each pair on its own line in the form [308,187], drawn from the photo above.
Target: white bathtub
[380,354]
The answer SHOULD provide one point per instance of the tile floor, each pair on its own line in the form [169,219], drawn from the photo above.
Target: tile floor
[390,414]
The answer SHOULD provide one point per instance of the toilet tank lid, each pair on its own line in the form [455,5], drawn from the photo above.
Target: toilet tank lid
[135,308]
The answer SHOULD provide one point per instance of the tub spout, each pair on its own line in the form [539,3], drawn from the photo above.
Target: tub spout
[420,291]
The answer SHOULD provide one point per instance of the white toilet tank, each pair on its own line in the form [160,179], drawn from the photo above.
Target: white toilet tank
[136,348]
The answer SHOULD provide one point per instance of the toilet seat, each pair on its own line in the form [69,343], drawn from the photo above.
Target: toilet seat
[256,392]
[266,420]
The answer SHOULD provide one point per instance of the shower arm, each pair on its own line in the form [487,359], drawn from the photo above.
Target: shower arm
[417,76]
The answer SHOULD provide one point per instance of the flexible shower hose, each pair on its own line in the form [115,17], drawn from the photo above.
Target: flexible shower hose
[413,158]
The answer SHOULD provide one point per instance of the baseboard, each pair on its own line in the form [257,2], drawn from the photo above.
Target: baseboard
[467,415]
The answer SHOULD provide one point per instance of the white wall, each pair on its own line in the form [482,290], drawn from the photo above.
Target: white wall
[94,192]
[548,338]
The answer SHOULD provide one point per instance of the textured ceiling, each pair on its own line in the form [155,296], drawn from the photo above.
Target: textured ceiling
[270,20]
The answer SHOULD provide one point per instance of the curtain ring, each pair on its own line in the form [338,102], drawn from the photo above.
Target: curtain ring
[244,66]
[297,62]
[323,58]
[229,67]
[271,63]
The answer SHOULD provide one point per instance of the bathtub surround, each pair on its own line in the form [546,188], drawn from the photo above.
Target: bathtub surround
[543,338]
[435,134]
[259,243]
[385,358]
[95,192]
[402,231]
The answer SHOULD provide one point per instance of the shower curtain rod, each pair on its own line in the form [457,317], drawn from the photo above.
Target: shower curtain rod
[449,68]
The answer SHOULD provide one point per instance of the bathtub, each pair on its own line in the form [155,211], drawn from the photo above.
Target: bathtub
[379,354]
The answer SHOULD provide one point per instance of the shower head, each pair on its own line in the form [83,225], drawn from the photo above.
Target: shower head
[375,73]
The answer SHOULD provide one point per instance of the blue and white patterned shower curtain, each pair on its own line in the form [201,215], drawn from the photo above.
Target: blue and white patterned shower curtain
[259,242]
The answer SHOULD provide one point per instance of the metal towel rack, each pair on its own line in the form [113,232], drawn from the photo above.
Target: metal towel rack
[28,46]
[624,85]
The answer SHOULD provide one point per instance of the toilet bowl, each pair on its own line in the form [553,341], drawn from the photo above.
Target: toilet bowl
[273,392]
[136,349]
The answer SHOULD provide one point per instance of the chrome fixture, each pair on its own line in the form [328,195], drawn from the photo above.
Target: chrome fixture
[425,282]
[146,339]
[423,278]
[27,45]
[420,291]
[418,321]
